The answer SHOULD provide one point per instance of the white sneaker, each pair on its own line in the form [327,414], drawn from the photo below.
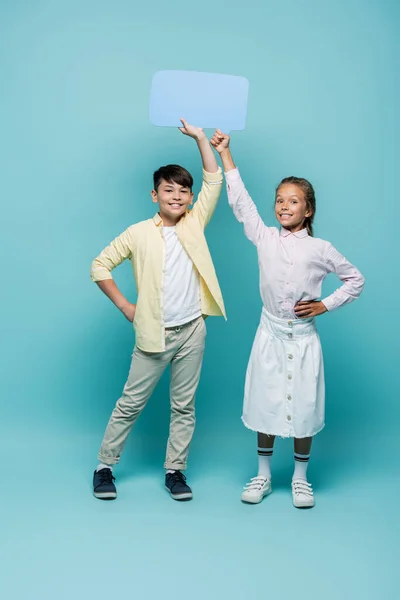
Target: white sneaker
[302,493]
[256,489]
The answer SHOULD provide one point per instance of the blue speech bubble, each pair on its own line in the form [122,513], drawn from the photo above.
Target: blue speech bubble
[207,100]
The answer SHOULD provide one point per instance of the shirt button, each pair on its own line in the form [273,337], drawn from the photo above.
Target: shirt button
[290,335]
[289,418]
[289,397]
[290,356]
[290,323]
[290,376]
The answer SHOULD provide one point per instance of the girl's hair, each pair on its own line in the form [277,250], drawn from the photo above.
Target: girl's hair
[309,196]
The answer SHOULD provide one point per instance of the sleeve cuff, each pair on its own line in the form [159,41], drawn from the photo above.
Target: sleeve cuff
[100,275]
[232,175]
[213,177]
[329,303]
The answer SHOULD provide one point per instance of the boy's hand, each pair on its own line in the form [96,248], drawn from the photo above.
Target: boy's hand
[129,311]
[309,308]
[220,141]
[194,132]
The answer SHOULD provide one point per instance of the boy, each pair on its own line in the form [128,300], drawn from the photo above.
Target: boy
[177,286]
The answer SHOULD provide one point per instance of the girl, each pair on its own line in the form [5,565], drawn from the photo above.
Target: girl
[284,389]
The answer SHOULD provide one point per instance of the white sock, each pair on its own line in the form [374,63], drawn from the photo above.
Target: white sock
[264,462]
[104,466]
[300,466]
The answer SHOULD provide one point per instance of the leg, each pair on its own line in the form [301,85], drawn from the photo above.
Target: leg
[265,452]
[185,375]
[302,449]
[145,372]
[302,492]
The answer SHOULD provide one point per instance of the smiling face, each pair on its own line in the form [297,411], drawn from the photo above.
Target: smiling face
[173,200]
[291,208]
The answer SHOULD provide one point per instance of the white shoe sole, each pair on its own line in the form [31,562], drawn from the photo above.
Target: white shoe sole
[304,504]
[105,495]
[187,496]
[249,500]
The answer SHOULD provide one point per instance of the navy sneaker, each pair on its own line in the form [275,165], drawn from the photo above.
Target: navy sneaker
[103,485]
[176,484]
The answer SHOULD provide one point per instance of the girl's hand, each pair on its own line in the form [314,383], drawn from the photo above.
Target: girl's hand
[194,132]
[309,308]
[220,141]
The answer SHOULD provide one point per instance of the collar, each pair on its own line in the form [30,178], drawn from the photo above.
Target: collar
[157,220]
[299,234]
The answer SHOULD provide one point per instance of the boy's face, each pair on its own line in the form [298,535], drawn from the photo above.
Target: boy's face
[173,200]
[291,207]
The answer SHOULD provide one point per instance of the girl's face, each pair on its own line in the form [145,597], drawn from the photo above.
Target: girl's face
[291,207]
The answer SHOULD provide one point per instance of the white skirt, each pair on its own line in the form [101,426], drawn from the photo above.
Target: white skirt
[285,387]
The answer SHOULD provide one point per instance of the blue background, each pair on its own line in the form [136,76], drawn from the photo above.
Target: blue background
[77,153]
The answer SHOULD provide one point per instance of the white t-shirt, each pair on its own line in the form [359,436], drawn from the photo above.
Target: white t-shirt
[181,283]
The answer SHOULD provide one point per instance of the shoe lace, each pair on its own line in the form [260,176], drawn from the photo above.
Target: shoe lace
[300,486]
[178,477]
[255,483]
[106,476]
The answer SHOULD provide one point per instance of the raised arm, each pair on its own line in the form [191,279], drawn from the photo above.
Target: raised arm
[353,281]
[207,155]
[212,176]
[113,255]
[243,206]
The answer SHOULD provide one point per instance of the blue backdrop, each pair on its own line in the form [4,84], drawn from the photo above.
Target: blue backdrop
[77,153]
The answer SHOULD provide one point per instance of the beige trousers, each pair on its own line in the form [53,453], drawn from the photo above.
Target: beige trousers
[184,352]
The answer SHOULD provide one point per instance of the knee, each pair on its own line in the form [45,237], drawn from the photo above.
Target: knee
[126,408]
[184,410]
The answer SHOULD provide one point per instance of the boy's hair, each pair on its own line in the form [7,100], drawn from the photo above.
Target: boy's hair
[309,196]
[173,174]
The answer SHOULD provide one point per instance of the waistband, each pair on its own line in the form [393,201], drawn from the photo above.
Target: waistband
[287,328]
[179,327]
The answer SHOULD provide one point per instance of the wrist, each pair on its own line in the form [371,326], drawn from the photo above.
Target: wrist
[227,161]
[201,138]
[226,153]
[123,306]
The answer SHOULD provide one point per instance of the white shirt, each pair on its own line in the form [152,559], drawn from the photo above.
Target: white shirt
[181,283]
[292,265]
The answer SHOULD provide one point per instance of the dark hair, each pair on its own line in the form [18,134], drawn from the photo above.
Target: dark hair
[173,174]
[309,196]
